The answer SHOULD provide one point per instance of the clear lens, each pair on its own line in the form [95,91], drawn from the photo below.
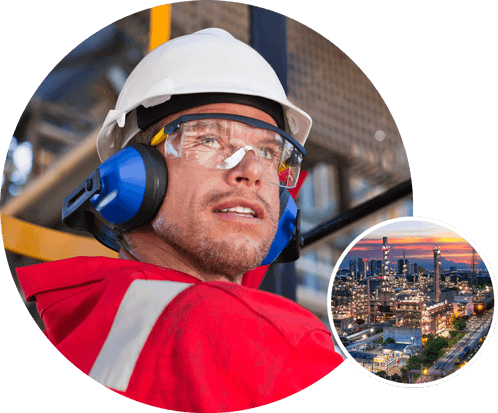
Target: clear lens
[222,144]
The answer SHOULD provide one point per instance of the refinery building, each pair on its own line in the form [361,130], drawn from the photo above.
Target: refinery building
[375,292]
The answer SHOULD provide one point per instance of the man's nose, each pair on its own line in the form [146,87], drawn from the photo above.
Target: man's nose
[248,171]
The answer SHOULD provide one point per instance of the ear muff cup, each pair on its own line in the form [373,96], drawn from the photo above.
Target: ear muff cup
[134,183]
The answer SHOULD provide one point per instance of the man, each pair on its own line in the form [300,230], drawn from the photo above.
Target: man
[217,224]
[173,323]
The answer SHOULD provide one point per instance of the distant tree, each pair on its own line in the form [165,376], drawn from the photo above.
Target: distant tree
[397,378]
[440,342]
[428,336]
[389,340]
[413,363]
[421,270]
[382,374]
[459,323]
[453,333]
[404,375]
[430,354]
[434,348]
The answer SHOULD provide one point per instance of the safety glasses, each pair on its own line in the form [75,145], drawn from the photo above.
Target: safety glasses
[221,141]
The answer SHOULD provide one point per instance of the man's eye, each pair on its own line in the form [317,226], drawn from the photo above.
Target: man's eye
[267,153]
[210,142]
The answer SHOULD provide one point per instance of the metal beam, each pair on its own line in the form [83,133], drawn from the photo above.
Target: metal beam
[46,244]
[160,25]
[41,201]
[327,228]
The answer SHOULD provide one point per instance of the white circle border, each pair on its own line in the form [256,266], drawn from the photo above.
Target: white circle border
[329,298]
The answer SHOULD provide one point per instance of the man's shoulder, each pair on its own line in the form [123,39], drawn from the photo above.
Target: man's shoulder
[209,301]
[77,271]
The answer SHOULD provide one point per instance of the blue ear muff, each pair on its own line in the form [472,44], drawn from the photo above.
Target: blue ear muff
[287,241]
[134,182]
[128,189]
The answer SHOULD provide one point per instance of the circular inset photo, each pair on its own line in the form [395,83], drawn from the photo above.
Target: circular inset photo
[411,301]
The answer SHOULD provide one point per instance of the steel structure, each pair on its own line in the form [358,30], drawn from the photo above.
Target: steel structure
[395,301]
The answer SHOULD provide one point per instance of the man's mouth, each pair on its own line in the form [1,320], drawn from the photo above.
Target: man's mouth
[241,208]
[238,210]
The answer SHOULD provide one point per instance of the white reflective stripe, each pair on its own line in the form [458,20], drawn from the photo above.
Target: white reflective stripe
[142,304]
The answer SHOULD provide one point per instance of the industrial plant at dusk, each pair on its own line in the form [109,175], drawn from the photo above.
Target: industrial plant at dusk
[408,322]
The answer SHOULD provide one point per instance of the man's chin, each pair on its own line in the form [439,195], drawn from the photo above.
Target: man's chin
[230,259]
[215,256]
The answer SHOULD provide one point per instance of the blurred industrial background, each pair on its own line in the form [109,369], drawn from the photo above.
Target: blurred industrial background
[354,151]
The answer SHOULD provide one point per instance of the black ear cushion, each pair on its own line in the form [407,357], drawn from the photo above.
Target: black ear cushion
[156,183]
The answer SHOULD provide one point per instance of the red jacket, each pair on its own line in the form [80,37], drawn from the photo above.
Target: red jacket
[164,338]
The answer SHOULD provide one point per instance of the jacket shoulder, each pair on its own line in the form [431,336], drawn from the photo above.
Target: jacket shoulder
[207,299]
[79,271]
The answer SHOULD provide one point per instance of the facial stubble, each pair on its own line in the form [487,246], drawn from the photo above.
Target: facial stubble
[214,256]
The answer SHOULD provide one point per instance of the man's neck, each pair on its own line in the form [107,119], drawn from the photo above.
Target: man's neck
[145,246]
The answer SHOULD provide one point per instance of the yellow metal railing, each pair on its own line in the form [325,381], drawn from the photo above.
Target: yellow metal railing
[160,25]
[46,244]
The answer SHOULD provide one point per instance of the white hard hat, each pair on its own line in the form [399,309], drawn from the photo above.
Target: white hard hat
[208,61]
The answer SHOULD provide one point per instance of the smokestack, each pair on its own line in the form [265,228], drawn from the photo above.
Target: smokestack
[405,269]
[437,266]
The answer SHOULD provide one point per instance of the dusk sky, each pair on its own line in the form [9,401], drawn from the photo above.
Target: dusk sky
[417,239]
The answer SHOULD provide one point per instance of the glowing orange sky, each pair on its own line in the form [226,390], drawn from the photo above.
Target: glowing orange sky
[454,249]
